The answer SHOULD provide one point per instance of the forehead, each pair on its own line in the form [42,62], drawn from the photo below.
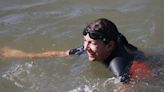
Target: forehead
[87,38]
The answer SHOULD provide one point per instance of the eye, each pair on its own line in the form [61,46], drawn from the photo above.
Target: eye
[94,42]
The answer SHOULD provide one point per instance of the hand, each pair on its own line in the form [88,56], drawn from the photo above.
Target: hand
[76,51]
[7,52]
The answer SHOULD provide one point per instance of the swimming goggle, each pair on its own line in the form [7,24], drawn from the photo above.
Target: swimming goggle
[95,35]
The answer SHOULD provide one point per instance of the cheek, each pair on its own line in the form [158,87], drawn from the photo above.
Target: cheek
[102,52]
[94,48]
[98,50]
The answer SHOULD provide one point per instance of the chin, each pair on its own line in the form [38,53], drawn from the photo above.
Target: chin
[91,59]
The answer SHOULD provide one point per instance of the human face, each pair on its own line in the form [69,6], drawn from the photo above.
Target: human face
[96,49]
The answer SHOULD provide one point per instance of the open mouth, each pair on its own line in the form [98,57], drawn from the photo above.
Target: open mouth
[90,54]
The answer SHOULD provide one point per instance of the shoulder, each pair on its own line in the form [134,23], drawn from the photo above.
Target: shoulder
[118,65]
[120,68]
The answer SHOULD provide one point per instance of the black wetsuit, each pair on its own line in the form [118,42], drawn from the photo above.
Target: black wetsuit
[119,63]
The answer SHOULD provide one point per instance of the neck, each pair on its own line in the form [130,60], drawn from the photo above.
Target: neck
[109,57]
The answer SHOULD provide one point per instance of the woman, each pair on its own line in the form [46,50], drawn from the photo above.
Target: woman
[104,43]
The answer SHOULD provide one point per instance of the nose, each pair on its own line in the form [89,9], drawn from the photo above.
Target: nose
[86,45]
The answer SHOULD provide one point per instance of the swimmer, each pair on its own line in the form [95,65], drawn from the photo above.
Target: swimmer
[103,43]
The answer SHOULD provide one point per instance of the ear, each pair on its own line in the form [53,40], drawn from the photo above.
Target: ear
[110,46]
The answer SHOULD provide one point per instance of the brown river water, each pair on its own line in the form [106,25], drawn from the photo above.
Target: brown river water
[40,25]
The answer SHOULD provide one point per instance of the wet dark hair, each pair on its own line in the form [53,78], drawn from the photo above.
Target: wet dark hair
[109,32]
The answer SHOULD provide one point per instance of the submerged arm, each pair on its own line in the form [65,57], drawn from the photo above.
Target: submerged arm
[14,53]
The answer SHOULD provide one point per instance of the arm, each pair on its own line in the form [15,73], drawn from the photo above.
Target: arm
[14,53]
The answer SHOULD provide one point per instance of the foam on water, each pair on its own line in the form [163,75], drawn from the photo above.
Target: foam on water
[17,73]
